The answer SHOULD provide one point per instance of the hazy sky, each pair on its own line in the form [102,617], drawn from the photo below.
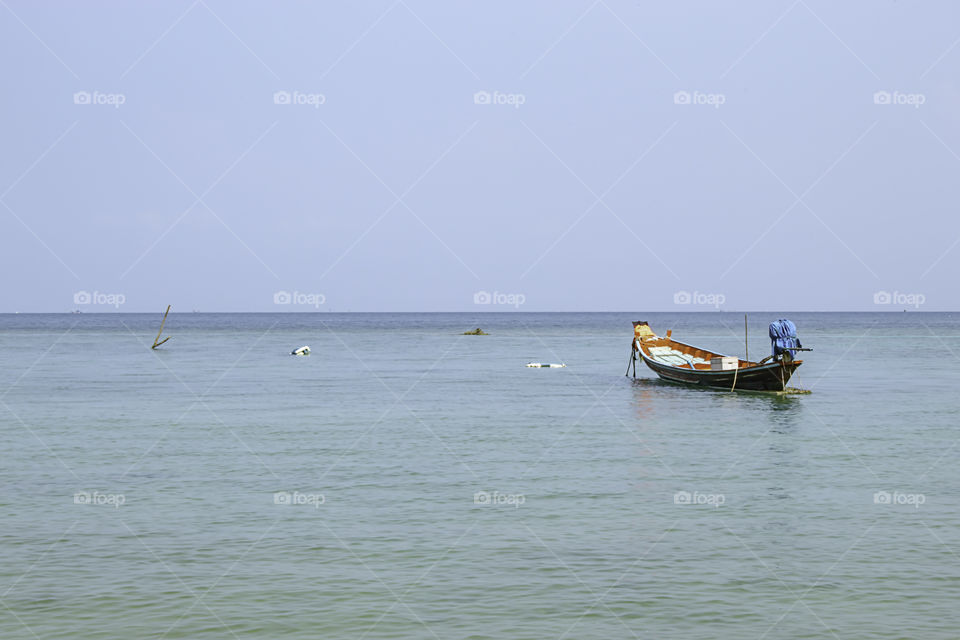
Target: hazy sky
[618,156]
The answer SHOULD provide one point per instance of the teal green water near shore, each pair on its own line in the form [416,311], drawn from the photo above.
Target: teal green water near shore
[406,481]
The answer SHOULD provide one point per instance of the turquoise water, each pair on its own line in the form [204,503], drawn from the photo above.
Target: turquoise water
[444,490]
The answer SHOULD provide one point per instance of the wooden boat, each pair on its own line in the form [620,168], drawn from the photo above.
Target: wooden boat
[679,362]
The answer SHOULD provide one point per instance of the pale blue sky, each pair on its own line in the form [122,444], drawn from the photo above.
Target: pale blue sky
[594,186]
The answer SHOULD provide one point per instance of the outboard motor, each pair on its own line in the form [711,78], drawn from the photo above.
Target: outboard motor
[783,339]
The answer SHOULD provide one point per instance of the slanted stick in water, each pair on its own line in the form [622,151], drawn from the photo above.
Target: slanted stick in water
[156,341]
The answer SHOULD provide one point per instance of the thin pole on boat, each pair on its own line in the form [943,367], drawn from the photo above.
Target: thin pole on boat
[746,343]
[628,363]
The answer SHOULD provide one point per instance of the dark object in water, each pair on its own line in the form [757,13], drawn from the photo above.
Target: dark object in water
[157,341]
[476,332]
[679,362]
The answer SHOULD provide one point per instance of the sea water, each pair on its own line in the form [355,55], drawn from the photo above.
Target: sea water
[406,481]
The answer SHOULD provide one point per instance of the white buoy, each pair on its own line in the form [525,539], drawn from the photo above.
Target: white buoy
[301,351]
[545,365]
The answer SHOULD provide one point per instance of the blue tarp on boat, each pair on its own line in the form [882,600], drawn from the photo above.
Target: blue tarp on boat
[783,337]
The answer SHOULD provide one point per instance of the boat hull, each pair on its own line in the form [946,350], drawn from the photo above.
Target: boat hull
[768,377]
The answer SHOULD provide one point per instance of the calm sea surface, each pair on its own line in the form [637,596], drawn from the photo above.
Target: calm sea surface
[405,481]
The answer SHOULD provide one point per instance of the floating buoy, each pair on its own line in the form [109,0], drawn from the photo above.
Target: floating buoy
[545,365]
[302,351]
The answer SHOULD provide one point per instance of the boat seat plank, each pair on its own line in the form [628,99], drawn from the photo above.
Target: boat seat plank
[675,358]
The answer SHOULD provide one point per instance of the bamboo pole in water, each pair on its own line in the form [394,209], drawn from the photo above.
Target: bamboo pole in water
[746,344]
[156,341]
